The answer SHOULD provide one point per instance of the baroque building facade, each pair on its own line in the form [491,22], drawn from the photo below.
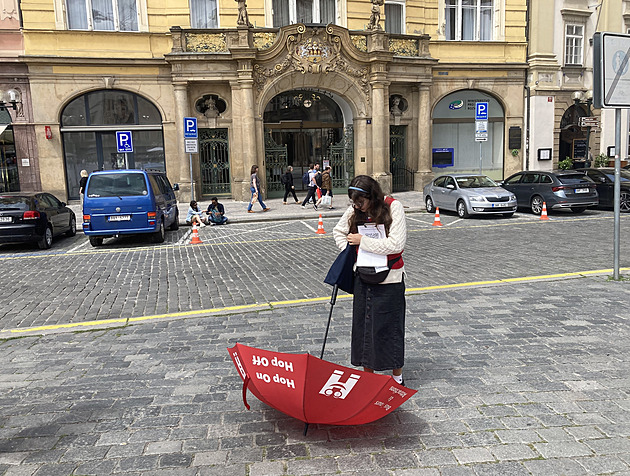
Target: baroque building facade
[387,90]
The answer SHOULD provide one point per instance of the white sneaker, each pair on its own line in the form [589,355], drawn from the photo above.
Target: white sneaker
[303,207]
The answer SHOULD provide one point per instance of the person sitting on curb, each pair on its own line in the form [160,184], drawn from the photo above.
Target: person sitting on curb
[194,215]
[216,212]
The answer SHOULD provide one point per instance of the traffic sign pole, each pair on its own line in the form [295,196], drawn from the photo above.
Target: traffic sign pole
[190,132]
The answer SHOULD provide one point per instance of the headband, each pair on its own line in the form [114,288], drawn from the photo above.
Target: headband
[358,189]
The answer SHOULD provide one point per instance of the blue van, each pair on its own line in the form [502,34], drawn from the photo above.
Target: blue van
[128,202]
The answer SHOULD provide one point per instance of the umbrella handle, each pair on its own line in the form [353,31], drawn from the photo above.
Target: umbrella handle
[245,384]
[333,299]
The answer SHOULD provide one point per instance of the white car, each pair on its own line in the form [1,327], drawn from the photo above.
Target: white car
[469,195]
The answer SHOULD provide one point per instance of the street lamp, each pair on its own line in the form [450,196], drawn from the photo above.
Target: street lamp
[10,99]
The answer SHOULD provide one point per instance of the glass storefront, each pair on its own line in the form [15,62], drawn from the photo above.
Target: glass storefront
[89,124]
[454,131]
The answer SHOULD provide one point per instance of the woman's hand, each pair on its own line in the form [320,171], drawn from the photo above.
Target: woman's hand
[354,238]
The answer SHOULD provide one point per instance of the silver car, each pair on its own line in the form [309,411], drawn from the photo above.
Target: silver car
[468,195]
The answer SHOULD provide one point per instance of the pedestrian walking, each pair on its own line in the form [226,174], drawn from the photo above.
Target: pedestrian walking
[312,185]
[326,189]
[193,217]
[287,181]
[378,309]
[254,187]
[83,183]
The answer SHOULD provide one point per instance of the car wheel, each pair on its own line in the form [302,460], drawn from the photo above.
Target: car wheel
[73,227]
[577,210]
[158,236]
[461,209]
[624,202]
[508,215]
[536,205]
[96,241]
[175,225]
[46,241]
[430,205]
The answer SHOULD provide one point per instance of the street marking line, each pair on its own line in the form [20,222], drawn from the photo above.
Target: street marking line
[419,221]
[453,222]
[184,239]
[270,305]
[308,226]
[82,245]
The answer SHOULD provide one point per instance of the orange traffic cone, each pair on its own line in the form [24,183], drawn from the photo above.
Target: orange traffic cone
[436,221]
[195,236]
[543,215]
[320,226]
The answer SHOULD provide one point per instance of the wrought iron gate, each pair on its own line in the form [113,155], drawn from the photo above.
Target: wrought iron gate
[341,156]
[402,176]
[215,162]
[275,165]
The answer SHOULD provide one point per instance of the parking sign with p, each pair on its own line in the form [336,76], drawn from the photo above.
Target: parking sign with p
[481,111]
[190,128]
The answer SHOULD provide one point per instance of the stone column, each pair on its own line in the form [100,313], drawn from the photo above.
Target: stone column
[248,136]
[380,134]
[424,173]
[181,165]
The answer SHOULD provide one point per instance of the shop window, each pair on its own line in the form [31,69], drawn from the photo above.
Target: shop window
[203,14]
[573,44]
[469,20]
[394,17]
[89,124]
[102,15]
[303,11]
[9,176]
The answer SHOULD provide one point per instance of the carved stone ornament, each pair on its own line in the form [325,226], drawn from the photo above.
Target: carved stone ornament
[314,51]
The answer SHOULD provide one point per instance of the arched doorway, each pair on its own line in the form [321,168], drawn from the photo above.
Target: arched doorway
[455,148]
[9,176]
[88,128]
[573,141]
[304,126]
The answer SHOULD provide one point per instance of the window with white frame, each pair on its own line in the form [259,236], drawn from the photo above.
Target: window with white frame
[203,14]
[289,12]
[102,15]
[573,44]
[469,20]
[394,17]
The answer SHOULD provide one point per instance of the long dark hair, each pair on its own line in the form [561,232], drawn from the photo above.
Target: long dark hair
[254,168]
[378,211]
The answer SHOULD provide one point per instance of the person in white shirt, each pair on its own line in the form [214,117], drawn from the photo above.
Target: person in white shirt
[378,311]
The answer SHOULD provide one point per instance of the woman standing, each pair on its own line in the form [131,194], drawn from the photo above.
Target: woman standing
[378,310]
[254,187]
[83,183]
[287,181]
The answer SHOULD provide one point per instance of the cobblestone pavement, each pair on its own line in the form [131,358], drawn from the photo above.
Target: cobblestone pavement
[517,379]
[515,376]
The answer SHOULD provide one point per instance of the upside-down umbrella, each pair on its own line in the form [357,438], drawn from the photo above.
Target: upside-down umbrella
[315,390]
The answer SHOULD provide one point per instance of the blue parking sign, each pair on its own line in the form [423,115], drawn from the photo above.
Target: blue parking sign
[190,128]
[481,111]
[124,142]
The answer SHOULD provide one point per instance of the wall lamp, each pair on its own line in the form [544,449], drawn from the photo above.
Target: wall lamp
[10,99]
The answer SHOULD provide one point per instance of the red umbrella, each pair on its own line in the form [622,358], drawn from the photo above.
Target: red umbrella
[314,390]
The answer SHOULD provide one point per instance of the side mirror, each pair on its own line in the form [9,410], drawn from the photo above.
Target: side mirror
[176,187]
[450,186]
[63,204]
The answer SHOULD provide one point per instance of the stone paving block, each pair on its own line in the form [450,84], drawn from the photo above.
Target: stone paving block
[286,451]
[55,470]
[416,472]
[562,449]
[138,463]
[607,446]
[22,470]
[603,464]
[564,466]
[122,451]
[97,467]
[13,457]
[473,455]
[84,454]
[266,468]
[395,460]
[162,447]
[518,436]
[231,470]
[312,466]
[513,452]
[175,460]
[554,434]
[362,463]
[438,458]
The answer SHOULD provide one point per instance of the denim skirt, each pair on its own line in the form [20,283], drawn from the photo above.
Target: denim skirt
[378,325]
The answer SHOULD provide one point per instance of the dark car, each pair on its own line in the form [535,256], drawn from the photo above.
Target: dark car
[604,179]
[34,217]
[558,189]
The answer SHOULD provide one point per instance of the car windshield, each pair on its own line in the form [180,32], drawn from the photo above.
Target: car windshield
[14,203]
[624,176]
[117,185]
[475,181]
[569,179]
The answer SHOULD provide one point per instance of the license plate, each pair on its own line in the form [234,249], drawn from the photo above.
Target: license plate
[120,218]
[6,219]
[582,190]
[499,204]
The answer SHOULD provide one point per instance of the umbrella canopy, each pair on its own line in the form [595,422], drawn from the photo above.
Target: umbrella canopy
[314,390]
